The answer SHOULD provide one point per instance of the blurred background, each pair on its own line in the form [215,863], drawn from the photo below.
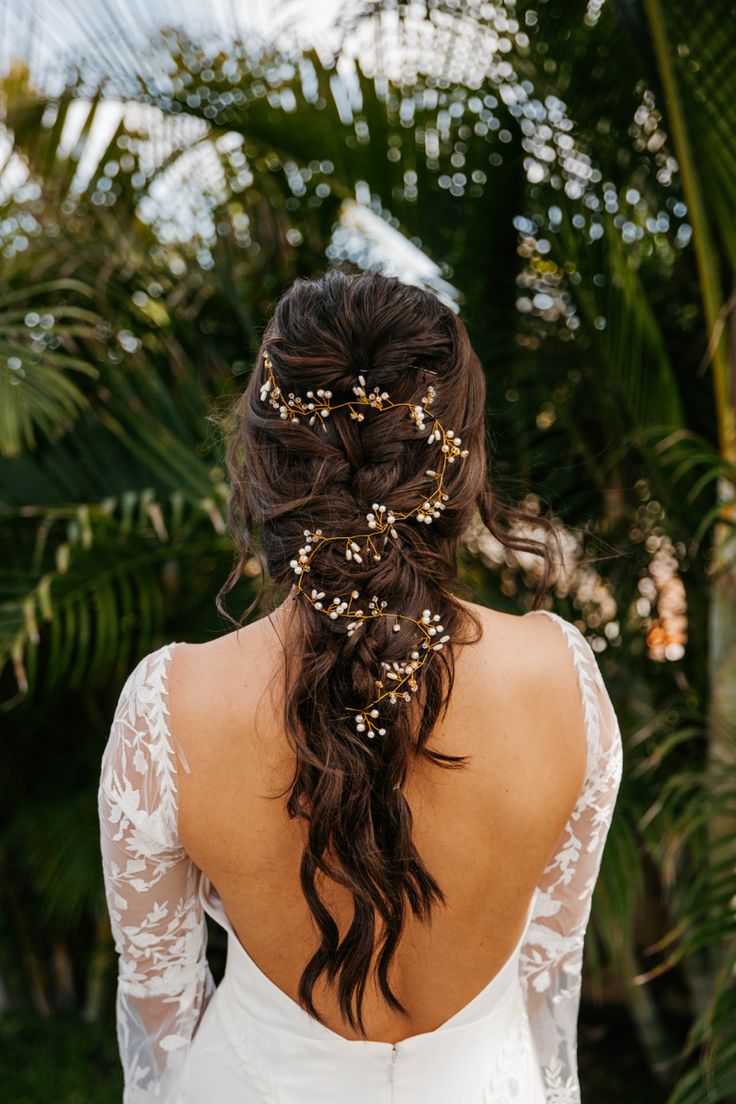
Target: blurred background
[564,175]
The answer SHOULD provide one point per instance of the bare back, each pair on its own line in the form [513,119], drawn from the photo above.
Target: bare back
[486,832]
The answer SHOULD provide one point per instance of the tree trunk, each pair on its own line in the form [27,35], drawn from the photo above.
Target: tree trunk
[722,661]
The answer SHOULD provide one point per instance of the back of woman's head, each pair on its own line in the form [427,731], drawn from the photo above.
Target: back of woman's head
[290,478]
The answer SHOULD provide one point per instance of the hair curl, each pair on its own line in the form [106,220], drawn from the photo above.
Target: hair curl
[286,477]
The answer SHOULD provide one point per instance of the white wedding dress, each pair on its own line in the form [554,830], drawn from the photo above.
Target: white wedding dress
[183,1041]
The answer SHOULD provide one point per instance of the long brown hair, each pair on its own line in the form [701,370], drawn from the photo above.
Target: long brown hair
[287,477]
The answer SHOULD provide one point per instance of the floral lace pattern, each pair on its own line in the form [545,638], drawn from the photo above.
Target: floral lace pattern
[505,1085]
[552,954]
[158,925]
[160,932]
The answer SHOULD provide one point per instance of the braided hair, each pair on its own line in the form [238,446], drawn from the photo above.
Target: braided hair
[288,477]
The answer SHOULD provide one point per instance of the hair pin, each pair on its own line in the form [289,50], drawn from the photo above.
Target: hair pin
[399,679]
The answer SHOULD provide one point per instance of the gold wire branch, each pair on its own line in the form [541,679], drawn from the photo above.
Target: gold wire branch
[381,522]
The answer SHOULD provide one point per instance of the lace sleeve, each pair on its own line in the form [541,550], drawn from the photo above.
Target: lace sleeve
[151,888]
[552,955]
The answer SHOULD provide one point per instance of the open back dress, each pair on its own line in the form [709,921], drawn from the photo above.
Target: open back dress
[184,1041]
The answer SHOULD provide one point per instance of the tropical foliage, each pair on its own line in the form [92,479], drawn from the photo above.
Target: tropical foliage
[567,176]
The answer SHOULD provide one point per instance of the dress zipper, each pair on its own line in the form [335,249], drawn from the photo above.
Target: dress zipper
[394,1055]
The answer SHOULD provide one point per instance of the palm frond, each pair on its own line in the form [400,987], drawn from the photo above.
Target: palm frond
[100,594]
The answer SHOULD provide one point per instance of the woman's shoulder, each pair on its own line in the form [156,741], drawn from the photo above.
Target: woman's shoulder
[144,690]
[521,674]
[539,641]
[520,668]
[217,688]
[209,672]
[529,657]
[545,666]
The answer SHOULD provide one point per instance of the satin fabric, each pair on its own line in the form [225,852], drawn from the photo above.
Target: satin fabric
[256,1044]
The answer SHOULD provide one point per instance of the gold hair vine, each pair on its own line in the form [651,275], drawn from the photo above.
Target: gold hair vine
[381,522]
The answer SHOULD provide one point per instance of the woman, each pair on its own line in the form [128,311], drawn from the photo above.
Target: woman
[398,821]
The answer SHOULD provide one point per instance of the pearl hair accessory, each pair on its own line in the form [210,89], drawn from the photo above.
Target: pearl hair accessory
[381,522]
